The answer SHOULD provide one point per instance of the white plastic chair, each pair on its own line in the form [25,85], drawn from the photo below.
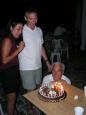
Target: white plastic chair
[55,57]
[60,46]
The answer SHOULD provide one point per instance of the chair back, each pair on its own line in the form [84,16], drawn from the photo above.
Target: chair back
[57,44]
[55,57]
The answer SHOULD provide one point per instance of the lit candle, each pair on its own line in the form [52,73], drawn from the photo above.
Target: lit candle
[58,86]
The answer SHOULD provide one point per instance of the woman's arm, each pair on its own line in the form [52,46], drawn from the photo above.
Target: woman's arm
[6,48]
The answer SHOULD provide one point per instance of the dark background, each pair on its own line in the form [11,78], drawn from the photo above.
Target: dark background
[51,12]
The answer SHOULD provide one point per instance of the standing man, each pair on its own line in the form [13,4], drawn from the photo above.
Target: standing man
[30,57]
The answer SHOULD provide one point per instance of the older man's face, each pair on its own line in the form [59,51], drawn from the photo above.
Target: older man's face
[57,72]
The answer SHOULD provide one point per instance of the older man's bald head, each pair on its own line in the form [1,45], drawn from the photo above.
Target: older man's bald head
[61,66]
[57,71]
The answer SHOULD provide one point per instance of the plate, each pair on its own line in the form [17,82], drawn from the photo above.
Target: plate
[58,99]
[47,93]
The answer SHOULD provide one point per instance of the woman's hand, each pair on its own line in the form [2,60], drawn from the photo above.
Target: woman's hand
[21,46]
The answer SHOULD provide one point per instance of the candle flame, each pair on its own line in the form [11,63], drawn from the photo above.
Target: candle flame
[58,86]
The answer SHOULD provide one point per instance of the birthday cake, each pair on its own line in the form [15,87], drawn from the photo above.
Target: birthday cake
[52,91]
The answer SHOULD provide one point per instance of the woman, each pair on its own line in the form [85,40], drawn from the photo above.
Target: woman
[9,63]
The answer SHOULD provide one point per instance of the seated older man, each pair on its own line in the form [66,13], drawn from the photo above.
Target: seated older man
[57,74]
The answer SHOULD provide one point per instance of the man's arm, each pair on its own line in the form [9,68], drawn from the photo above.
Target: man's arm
[44,55]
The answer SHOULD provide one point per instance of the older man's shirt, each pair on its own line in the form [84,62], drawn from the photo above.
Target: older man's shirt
[49,78]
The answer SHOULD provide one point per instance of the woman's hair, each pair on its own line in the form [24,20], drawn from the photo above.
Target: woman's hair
[11,23]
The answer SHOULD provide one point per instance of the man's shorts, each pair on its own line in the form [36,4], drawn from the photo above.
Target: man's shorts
[31,78]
